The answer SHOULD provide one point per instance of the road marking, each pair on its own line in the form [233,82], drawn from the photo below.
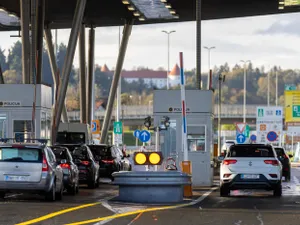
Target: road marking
[259,216]
[145,210]
[51,215]
[135,219]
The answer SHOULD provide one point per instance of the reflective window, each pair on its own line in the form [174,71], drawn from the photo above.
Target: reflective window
[43,125]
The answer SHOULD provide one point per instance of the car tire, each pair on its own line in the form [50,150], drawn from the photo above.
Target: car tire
[224,192]
[51,195]
[72,190]
[288,177]
[277,192]
[59,195]
[92,184]
[130,168]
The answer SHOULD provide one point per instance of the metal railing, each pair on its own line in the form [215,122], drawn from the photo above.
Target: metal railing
[141,111]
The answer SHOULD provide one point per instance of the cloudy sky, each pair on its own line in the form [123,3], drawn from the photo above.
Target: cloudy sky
[265,40]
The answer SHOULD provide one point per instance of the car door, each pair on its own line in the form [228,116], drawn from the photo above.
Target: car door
[119,158]
[74,168]
[123,159]
[55,168]
[95,165]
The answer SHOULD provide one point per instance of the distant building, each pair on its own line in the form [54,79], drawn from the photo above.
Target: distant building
[151,78]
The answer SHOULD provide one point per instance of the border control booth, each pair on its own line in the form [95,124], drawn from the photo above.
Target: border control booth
[200,118]
[16,111]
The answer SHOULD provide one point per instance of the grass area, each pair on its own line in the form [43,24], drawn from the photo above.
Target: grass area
[129,139]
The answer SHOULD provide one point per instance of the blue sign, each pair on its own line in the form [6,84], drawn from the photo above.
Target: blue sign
[240,138]
[144,136]
[272,136]
[253,137]
[94,127]
[278,112]
[136,133]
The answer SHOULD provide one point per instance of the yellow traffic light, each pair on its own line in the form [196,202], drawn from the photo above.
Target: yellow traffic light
[140,158]
[148,158]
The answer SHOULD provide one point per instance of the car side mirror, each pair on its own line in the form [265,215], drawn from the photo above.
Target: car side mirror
[221,158]
[63,161]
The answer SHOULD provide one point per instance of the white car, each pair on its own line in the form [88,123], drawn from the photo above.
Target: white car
[250,166]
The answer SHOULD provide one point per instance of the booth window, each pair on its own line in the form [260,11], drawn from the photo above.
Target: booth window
[43,125]
[48,126]
[3,124]
[196,138]
[22,129]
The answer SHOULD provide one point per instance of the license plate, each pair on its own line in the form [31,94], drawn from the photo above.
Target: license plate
[250,176]
[15,178]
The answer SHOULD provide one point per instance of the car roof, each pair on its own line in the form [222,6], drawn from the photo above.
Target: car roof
[256,145]
[10,145]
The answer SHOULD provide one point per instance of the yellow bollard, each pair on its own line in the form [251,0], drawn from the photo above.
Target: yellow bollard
[186,167]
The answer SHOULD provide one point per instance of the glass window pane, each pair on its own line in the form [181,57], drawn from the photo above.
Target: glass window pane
[48,126]
[43,125]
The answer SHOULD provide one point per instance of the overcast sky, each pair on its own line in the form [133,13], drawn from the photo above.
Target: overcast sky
[265,40]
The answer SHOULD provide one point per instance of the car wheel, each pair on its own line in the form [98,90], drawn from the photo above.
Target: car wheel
[278,190]
[59,195]
[130,168]
[288,177]
[92,184]
[72,190]
[224,192]
[50,196]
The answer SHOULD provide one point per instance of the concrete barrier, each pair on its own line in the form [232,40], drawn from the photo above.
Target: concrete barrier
[151,186]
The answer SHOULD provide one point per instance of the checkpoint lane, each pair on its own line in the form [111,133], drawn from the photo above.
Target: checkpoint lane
[19,208]
[242,208]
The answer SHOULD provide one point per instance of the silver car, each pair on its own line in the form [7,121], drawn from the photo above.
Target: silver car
[30,168]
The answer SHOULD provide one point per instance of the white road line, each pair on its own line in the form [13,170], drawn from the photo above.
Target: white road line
[259,216]
[238,223]
[129,209]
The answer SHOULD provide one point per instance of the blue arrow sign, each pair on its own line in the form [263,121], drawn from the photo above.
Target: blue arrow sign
[144,136]
[136,133]
[272,136]
[253,137]
[94,127]
[240,138]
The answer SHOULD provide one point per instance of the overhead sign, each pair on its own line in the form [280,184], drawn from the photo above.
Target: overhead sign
[10,103]
[269,119]
[144,136]
[292,106]
[118,128]
[240,139]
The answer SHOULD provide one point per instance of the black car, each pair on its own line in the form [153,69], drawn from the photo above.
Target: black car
[111,159]
[70,169]
[87,165]
[285,161]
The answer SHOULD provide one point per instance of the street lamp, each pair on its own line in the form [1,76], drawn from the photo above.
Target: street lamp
[208,75]
[245,63]
[168,33]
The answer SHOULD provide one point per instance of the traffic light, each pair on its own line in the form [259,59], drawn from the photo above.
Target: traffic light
[147,122]
[148,158]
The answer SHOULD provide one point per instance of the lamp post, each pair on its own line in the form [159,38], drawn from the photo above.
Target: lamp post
[221,80]
[245,63]
[168,33]
[208,75]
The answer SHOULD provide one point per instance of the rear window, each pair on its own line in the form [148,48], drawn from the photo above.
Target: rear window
[250,151]
[21,155]
[100,150]
[60,154]
[279,152]
[80,153]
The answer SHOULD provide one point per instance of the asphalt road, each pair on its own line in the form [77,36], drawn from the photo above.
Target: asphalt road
[242,208]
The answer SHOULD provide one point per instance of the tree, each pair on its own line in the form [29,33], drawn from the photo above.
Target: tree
[3,62]
[15,59]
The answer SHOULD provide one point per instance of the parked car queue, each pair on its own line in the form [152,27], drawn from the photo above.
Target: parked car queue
[51,170]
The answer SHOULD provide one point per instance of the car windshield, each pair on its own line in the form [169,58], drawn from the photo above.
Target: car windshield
[250,151]
[21,154]
[101,151]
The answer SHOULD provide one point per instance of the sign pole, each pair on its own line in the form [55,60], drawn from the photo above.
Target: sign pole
[185,164]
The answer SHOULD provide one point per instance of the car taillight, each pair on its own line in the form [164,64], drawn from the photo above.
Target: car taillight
[229,161]
[65,166]
[272,162]
[86,163]
[45,165]
[226,175]
[108,161]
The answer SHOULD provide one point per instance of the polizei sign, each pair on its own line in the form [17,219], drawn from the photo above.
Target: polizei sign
[10,103]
